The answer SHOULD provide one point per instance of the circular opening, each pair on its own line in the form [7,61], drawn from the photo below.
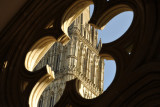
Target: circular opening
[106,77]
[113,30]
[116,27]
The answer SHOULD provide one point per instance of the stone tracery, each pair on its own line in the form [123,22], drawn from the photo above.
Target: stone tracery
[141,67]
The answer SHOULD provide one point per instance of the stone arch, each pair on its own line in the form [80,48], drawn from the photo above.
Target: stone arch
[35,54]
[73,12]
[40,86]
[37,51]
[111,12]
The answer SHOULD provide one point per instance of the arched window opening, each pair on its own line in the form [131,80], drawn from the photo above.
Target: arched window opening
[58,62]
[84,66]
[92,69]
[51,101]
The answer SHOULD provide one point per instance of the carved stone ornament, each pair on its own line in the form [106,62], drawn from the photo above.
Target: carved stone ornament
[28,36]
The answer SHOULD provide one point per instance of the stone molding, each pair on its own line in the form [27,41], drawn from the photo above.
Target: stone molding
[87,82]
